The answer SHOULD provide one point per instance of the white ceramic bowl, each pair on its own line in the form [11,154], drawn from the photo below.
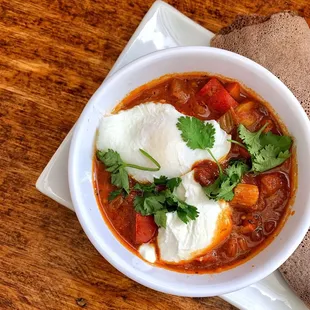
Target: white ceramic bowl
[141,71]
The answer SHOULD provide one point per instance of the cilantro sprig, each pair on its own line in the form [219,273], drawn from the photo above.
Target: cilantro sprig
[159,198]
[201,135]
[119,175]
[267,150]
[198,135]
[224,185]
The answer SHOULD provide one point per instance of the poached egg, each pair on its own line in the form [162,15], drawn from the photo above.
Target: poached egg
[152,127]
[180,242]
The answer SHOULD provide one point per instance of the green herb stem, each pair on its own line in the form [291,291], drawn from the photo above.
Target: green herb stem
[150,158]
[140,167]
[144,168]
[236,142]
[218,164]
[262,129]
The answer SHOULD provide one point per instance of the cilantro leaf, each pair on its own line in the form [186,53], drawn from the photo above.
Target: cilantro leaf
[149,203]
[170,183]
[237,168]
[187,214]
[251,139]
[224,185]
[173,183]
[158,203]
[120,179]
[114,194]
[138,204]
[182,214]
[162,180]
[282,142]
[154,203]
[268,158]
[267,150]
[255,141]
[226,189]
[111,159]
[192,212]
[119,175]
[213,189]
[196,133]
[160,218]
[185,211]
[140,207]
[145,187]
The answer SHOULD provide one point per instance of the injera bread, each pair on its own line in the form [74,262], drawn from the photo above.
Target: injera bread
[296,270]
[280,43]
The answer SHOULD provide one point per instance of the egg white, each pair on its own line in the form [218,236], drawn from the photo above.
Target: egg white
[183,242]
[152,127]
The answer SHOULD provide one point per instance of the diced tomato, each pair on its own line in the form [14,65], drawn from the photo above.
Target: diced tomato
[240,151]
[234,90]
[206,172]
[217,97]
[145,228]
[243,152]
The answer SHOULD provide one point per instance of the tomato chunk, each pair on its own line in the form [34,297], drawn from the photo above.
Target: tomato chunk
[145,228]
[244,153]
[216,96]
[206,172]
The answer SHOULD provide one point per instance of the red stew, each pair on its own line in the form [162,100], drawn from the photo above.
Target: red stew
[256,221]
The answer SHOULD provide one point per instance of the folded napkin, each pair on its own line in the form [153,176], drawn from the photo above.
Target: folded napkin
[280,43]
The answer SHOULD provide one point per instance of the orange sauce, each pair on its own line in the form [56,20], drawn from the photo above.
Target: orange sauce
[268,215]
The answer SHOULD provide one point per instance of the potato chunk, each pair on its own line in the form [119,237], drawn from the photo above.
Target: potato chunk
[246,195]
[247,114]
[271,183]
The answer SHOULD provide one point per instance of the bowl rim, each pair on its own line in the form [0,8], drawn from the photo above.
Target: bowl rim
[258,273]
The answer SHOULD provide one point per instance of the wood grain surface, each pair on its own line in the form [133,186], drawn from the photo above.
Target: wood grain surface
[53,56]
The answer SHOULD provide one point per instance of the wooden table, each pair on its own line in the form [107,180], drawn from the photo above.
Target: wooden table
[53,56]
